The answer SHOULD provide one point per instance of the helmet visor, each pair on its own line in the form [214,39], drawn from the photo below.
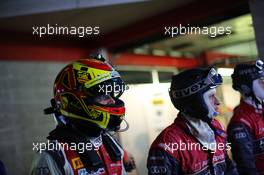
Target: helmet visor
[213,78]
[113,87]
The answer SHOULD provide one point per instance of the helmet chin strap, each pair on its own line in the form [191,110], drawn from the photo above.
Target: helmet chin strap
[124,129]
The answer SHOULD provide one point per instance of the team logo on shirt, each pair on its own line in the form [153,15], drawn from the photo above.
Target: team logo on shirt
[77,163]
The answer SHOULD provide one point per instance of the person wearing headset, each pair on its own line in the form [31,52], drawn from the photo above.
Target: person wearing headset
[246,128]
[196,142]
[87,108]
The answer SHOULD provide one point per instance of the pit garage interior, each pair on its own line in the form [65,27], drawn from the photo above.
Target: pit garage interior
[132,35]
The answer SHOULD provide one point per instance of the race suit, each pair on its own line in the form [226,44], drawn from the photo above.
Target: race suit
[246,133]
[102,156]
[166,156]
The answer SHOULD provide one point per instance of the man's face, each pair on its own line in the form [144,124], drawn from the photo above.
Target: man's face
[213,99]
[258,88]
[105,100]
[261,82]
[212,102]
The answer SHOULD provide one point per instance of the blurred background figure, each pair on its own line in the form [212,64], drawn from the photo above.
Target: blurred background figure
[246,128]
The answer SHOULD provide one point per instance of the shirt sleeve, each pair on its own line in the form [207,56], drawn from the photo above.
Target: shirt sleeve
[160,162]
[230,167]
[242,148]
[44,164]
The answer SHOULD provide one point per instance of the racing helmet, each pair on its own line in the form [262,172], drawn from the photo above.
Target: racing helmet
[187,91]
[79,85]
[244,75]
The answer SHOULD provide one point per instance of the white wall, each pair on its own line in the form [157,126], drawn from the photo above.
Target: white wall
[146,119]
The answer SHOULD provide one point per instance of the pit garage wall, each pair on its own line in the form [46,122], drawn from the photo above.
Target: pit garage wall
[229,99]
[25,90]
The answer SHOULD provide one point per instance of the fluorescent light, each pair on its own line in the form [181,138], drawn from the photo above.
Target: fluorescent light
[225,71]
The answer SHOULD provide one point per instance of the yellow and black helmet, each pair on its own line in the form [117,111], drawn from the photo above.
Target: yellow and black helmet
[80,83]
